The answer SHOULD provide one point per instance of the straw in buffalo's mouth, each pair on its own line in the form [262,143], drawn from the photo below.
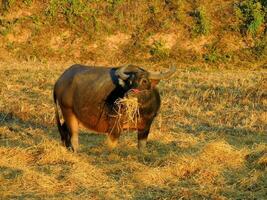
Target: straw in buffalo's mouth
[127,110]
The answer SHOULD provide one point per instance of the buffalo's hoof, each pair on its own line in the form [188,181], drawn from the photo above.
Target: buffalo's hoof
[142,145]
[111,143]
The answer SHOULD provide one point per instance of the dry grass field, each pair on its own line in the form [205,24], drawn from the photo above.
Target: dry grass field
[209,141]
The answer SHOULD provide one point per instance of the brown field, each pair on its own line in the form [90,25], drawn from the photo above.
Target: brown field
[208,141]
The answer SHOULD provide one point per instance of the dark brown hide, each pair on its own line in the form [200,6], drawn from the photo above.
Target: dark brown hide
[86,95]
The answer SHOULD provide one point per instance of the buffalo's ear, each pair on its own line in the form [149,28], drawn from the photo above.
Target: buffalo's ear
[154,83]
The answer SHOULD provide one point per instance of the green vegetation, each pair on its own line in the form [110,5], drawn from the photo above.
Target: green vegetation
[7,4]
[5,27]
[158,50]
[73,10]
[28,2]
[260,48]
[68,29]
[69,8]
[215,55]
[176,9]
[252,14]
[202,26]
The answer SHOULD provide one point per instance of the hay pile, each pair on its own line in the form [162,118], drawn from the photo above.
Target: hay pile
[49,169]
[205,167]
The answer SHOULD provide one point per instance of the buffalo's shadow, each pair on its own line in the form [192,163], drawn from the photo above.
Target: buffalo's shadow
[28,129]
[24,129]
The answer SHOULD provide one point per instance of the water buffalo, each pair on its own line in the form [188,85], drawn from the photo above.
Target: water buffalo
[87,95]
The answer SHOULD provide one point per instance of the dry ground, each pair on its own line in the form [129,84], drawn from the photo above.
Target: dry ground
[208,142]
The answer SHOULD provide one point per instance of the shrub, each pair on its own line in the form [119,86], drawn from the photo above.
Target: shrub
[260,48]
[158,50]
[202,26]
[6,4]
[251,13]
[175,8]
[28,2]
[112,4]
[215,54]
[69,8]
[78,14]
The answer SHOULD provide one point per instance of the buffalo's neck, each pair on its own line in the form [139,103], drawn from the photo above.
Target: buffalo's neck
[149,102]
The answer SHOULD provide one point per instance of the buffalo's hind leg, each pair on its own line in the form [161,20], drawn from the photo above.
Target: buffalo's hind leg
[72,126]
[65,137]
[112,139]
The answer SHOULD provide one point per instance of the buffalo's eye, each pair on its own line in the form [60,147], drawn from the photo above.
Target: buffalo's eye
[144,82]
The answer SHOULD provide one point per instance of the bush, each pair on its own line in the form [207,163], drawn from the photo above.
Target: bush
[69,8]
[158,50]
[6,4]
[214,54]
[202,26]
[28,2]
[251,13]
[260,48]
[175,8]
[79,14]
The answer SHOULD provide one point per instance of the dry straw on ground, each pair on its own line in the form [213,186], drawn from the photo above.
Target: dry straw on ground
[208,141]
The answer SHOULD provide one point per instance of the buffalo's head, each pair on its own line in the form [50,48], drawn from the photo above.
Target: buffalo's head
[134,78]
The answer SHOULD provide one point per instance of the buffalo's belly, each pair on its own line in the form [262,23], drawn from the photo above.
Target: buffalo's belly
[94,119]
[101,126]
[104,121]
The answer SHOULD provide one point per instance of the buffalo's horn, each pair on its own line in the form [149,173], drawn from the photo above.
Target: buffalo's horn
[160,75]
[121,72]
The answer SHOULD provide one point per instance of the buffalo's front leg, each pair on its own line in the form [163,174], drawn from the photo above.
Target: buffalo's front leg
[142,139]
